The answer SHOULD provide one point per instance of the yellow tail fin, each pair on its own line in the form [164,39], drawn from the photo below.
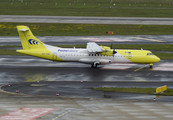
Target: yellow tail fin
[28,40]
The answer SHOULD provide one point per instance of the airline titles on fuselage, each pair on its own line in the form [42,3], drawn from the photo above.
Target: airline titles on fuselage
[64,50]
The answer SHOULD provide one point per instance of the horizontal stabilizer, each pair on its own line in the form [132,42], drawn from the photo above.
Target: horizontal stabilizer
[23,30]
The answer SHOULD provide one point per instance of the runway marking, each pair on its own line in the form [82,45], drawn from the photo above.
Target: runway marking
[168,116]
[166,64]
[61,115]
[146,117]
[164,67]
[26,113]
[140,68]
[147,39]
[105,39]
[118,66]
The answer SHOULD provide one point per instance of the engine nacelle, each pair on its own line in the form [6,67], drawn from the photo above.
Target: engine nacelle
[106,51]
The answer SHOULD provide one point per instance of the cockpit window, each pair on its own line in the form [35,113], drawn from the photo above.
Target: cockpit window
[150,54]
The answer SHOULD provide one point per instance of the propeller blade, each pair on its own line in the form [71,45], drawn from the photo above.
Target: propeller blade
[114,52]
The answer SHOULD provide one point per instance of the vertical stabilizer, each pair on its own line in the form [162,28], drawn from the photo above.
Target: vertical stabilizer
[28,40]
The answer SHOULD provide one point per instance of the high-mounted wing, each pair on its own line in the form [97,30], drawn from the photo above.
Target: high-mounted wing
[93,47]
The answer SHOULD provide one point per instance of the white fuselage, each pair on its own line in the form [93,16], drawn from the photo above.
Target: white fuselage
[82,55]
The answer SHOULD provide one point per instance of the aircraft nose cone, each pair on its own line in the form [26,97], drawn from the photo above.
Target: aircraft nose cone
[157,59]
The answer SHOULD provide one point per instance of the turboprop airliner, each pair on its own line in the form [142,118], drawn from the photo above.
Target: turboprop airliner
[93,53]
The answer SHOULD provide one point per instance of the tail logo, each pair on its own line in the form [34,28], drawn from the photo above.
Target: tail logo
[33,42]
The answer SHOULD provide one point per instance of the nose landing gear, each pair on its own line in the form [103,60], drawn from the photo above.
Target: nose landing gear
[151,65]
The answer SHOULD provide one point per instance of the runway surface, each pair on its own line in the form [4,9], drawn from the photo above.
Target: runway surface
[17,69]
[31,69]
[76,100]
[115,39]
[25,107]
[84,89]
[86,20]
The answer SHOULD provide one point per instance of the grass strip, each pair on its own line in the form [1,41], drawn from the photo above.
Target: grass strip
[168,92]
[9,52]
[59,29]
[118,8]
[168,56]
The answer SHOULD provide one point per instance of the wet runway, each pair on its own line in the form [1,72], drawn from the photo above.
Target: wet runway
[31,69]
[86,20]
[76,99]
[115,39]
[19,69]
[84,89]
[25,107]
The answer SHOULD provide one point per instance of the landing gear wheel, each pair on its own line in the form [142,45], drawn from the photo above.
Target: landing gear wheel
[151,65]
[94,65]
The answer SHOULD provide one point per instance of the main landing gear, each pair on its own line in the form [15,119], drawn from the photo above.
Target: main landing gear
[94,65]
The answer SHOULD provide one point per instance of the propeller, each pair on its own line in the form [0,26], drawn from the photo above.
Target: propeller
[114,52]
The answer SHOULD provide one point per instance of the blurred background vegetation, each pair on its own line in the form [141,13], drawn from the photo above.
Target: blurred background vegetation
[116,8]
